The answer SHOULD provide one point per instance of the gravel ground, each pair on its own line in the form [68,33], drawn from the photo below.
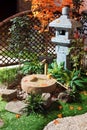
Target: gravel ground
[78,122]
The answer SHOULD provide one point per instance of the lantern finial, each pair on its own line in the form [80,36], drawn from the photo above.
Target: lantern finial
[65,10]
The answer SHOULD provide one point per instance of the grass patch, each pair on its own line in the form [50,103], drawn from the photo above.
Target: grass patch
[7,75]
[38,121]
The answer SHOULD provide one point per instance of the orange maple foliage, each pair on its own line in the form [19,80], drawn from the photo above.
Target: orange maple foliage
[45,10]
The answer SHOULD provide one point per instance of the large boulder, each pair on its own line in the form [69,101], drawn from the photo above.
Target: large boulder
[78,122]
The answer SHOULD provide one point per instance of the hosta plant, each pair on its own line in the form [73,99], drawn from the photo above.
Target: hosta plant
[69,78]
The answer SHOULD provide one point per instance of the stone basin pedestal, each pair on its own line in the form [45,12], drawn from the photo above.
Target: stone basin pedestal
[38,83]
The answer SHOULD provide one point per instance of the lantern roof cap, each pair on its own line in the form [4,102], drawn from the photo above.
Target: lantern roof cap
[64,21]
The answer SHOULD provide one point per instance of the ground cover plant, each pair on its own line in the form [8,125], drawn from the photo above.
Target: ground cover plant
[38,121]
[7,75]
[70,78]
[59,109]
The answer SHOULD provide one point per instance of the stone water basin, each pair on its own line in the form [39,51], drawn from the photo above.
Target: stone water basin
[38,83]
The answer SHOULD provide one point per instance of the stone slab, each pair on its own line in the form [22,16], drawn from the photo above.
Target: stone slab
[78,122]
[8,94]
[15,106]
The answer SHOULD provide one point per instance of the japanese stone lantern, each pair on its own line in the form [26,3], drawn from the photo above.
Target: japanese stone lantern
[63,36]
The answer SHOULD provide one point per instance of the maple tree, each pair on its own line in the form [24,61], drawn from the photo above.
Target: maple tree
[47,10]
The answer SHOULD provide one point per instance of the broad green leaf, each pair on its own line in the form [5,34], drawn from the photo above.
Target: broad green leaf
[79,83]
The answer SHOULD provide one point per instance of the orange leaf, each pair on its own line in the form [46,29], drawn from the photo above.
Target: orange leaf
[56,122]
[71,108]
[18,115]
[49,76]
[36,27]
[85,92]
[79,108]
[60,115]
[60,107]
[43,85]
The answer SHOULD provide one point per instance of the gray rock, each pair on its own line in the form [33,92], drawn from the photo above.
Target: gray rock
[15,106]
[46,96]
[8,94]
[78,122]
[47,99]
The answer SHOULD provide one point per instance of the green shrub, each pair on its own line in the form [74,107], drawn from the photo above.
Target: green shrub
[7,75]
[32,67]
[70,78]
[34,104]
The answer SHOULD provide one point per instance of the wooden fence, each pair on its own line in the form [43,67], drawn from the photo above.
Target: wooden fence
[40,46]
